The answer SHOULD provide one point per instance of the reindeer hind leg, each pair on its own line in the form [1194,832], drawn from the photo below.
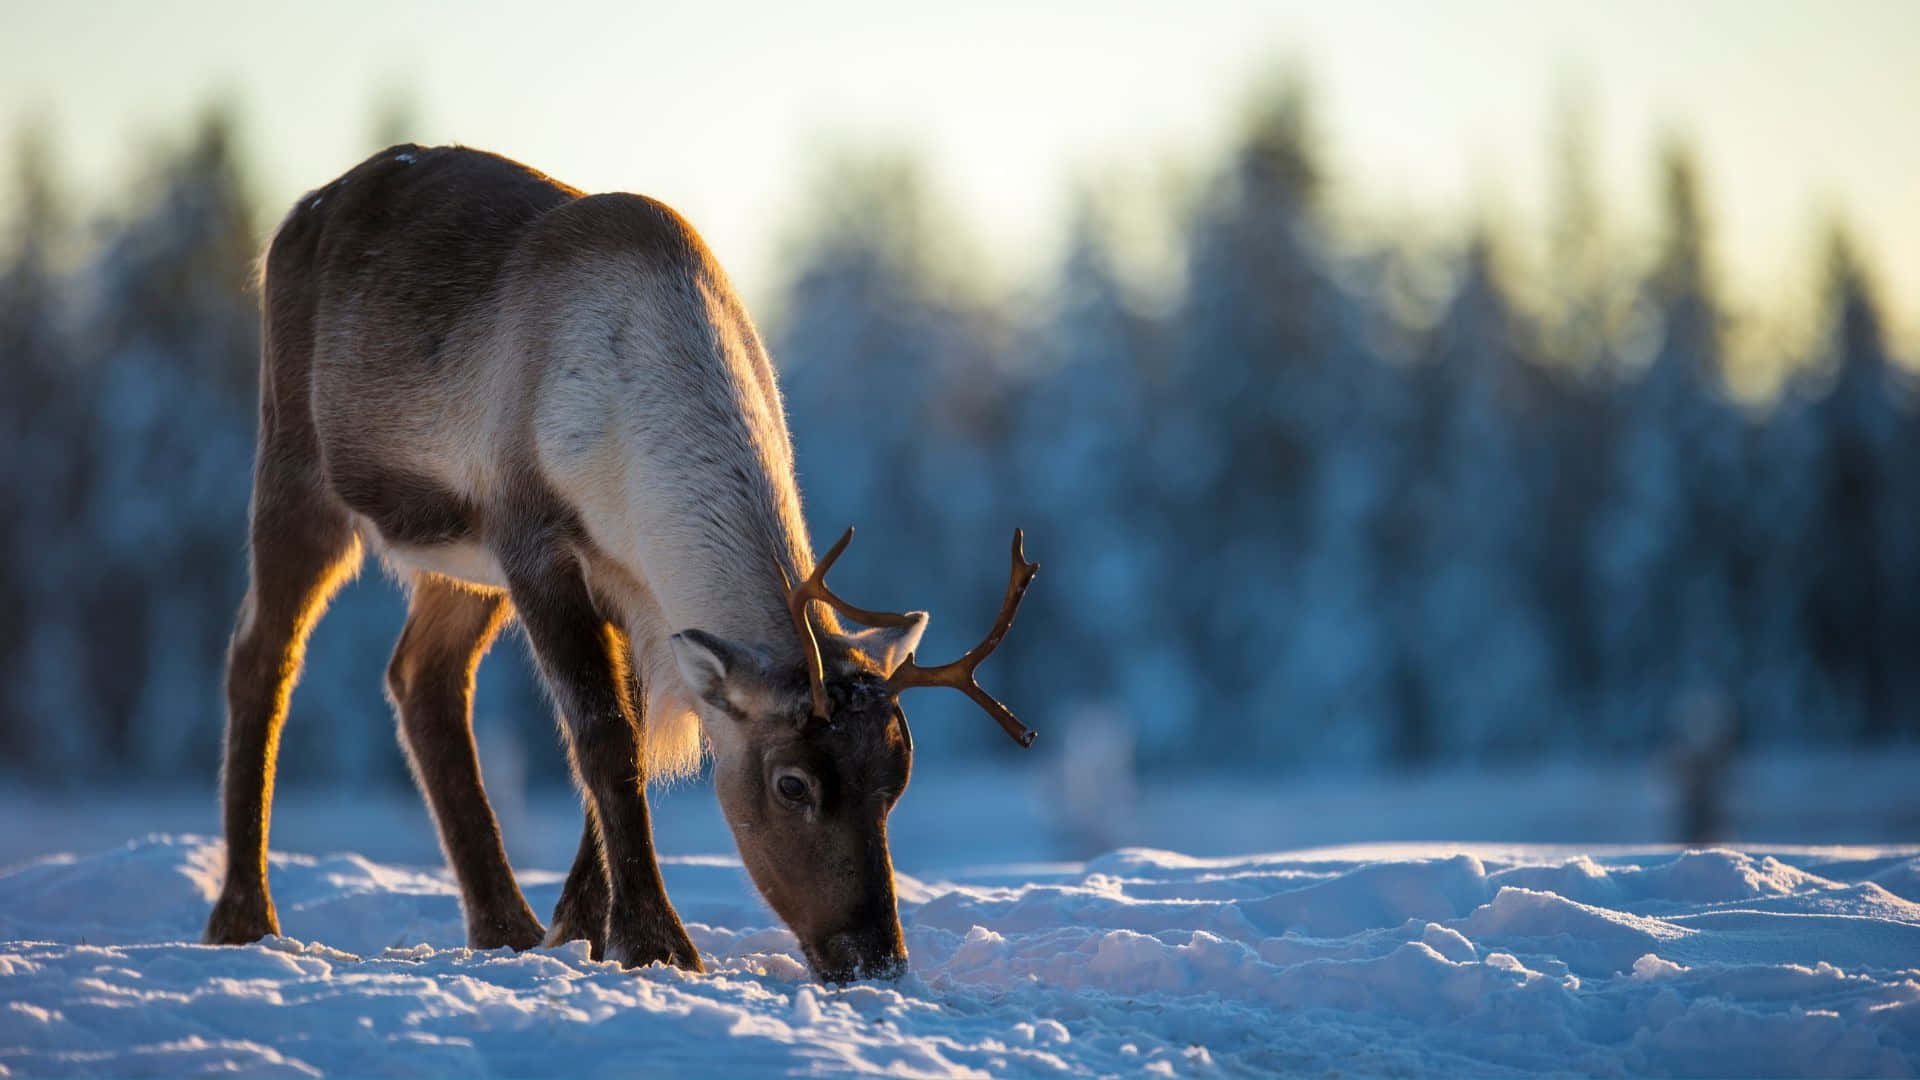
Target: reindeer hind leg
[303,548]
[431,682]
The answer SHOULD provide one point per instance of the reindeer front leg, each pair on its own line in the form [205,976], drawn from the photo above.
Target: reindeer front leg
[583,658]
[581,913]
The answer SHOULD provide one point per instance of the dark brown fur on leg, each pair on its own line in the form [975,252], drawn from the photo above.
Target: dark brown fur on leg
[584,659]
[581,914]
[431,682]
[303,547]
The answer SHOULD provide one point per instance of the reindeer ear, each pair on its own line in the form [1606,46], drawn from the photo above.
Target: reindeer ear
[715,669]
[889,646]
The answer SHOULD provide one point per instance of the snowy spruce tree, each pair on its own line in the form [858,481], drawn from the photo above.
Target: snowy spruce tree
[41,474]
[171,332]
[1662,595]
[1083,425]
[1275,456]
[1467,514]
[1862,621]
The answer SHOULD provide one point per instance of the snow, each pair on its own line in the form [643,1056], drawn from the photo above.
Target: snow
[1406,959]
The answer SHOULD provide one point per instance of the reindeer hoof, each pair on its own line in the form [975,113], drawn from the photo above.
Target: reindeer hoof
[679,952]
[519,932]
[564,931]
[241,920]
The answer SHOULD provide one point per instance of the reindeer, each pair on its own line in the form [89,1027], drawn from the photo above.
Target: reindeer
[535,402]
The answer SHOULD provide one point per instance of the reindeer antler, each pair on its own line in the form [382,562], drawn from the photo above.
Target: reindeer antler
[958,675]
[815,588]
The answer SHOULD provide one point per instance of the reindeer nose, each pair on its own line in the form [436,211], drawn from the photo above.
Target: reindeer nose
[856,955]
[889,967]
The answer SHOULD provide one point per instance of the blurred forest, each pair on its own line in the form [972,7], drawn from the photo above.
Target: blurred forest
[1325,499]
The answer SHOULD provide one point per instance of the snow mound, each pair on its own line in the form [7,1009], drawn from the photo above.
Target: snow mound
[1388,961]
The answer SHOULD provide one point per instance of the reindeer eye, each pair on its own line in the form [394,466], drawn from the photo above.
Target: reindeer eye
[792,788]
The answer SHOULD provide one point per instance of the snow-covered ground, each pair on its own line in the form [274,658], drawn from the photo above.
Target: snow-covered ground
[1565,938]
[1369,960]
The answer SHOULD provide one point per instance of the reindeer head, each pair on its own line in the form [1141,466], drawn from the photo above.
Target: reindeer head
[809,759]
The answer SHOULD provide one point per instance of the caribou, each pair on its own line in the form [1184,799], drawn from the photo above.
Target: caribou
[541,404]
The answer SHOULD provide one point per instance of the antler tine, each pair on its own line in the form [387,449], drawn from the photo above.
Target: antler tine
[815,588]
[958,675]
[810,645]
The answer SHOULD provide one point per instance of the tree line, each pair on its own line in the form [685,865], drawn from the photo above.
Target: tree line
[1325,498]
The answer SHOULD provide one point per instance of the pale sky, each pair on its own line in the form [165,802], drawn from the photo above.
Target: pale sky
[1432,111]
